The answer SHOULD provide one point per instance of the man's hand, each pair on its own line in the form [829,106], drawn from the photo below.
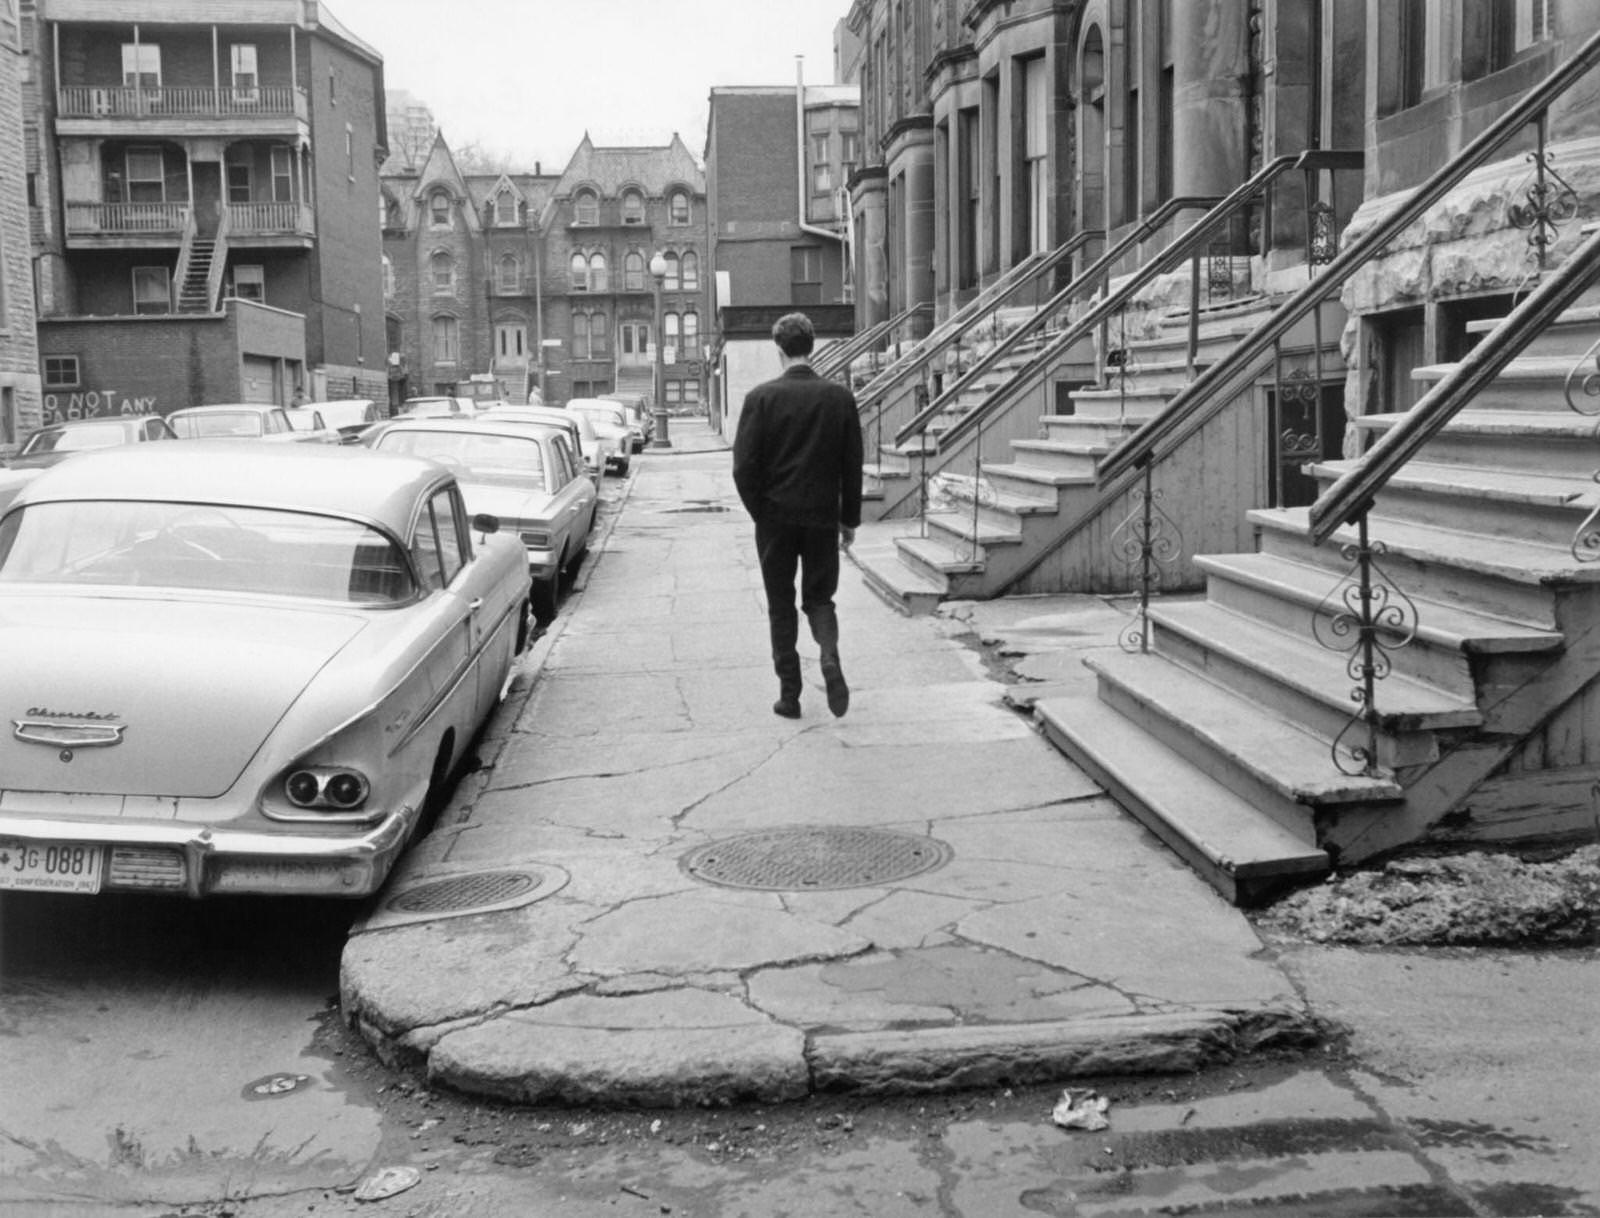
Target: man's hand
[846,537]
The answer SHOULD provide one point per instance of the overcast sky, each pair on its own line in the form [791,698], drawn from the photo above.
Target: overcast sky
[529,77]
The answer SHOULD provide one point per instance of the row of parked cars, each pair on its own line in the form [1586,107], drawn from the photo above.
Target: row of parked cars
[253,667]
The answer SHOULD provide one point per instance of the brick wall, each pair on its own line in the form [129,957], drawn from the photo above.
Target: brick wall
[20,405]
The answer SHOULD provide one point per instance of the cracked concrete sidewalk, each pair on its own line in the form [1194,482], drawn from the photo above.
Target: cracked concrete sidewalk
[1059,939]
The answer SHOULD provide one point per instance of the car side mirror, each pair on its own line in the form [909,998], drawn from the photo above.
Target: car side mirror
[485,523]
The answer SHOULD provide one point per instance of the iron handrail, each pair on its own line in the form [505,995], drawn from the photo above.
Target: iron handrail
[1228,377]
[959,323]
[1186,245]
[840,355]
[1352,494]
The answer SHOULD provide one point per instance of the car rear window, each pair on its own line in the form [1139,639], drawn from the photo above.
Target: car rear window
[223,424]
[75,439]
[259,551]
[482,457]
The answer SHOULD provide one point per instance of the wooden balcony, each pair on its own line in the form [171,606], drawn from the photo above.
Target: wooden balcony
[249,220]
[160,221]
[126,102]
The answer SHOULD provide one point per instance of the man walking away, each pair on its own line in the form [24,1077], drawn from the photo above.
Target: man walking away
[797,464]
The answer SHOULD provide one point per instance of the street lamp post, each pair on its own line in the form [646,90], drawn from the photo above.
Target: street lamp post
[658,272]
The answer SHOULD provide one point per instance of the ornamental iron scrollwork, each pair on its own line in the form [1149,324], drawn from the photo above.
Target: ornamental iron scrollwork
[1322,234]
[1583,382]
[1219,271]
[1366,616]
[1299,389]
[1550,202]
[1149,539]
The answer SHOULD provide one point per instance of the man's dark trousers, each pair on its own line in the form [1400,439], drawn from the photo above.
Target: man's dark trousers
[784,549]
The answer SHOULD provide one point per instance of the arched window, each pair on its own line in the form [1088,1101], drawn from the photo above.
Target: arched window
[632,207]
[586,208]
[579,273]
[669,330]
[678,208]
[445,344]
[691,333]
[443,268]
[691,272]
[439,209]
[670,280]
[580,334]
[633,271]
[506,274]
[505,208]
[599,276]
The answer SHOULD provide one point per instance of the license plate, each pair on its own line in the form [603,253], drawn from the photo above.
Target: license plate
[51,866]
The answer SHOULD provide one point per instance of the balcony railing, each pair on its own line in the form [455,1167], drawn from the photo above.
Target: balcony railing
[268,219]
[119,101]
[126,219]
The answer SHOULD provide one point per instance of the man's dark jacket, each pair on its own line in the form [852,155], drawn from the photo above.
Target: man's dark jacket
[797,453]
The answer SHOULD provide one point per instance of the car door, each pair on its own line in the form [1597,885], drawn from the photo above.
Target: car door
[489,599]
[576,494]
[448,671]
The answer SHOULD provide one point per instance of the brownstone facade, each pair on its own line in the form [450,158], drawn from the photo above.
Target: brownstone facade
[19,356]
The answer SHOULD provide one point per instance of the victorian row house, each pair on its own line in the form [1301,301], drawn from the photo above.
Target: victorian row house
[1285,305]
[535,282]
[201,185]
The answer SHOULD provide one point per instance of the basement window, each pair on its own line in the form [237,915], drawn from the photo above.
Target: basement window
[61,372]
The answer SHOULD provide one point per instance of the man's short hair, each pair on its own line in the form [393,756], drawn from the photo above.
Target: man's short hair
[793,334]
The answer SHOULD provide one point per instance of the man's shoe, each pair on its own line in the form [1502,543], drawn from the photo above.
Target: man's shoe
[838,691]
[787,706]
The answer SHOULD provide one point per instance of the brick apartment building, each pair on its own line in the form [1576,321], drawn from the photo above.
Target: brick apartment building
[543,280]
[777,159]
[19,355]
[202,204]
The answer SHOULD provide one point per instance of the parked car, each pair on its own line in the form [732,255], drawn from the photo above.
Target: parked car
[429,407]
[585,439]
[348,416]
[636,408]
[240,668]
[610,422]
[236,421]
[56,441]
[525,474]
[308,421]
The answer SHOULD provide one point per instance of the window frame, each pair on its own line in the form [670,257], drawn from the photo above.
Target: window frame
[254,273]
[445,285]
[504,217]
[145,61]
[446,347]
[439,208]
[148,274]
[586,208]
[52,369]
[679,199]
[632,206]
[689,271]
[130,180]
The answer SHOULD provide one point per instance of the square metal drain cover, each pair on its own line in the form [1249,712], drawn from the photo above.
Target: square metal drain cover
[800,859]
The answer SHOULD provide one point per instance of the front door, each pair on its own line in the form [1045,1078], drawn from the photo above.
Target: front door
[207,197]
[633,344]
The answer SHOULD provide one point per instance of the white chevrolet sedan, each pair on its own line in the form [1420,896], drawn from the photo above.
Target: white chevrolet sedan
[241,669]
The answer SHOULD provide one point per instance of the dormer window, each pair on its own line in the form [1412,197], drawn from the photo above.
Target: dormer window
[678,208]
[439,209]
[586,208]
[632,207]
[505,208]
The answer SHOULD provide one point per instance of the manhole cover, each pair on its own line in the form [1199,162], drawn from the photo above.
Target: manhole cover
[788,860]
[465,892]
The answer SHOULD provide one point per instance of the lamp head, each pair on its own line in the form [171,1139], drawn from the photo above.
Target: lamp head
[658,265]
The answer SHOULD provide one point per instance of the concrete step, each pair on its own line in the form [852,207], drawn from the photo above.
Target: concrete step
[1082,432]
[877,555]
[1033,481]
[961,532]
[1538,507]
[1490,575]
[1289,674]
[1572,334]
[1074,459]
[1529,382]
[1539,442]
[1284,772]
[1138,399]
[1288,595]
[1244,855]
[934,559]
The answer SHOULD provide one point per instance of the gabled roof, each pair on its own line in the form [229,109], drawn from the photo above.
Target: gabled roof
[652,168]
[533,189]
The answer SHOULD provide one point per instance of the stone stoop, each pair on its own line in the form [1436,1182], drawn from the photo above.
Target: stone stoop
[1221,738]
